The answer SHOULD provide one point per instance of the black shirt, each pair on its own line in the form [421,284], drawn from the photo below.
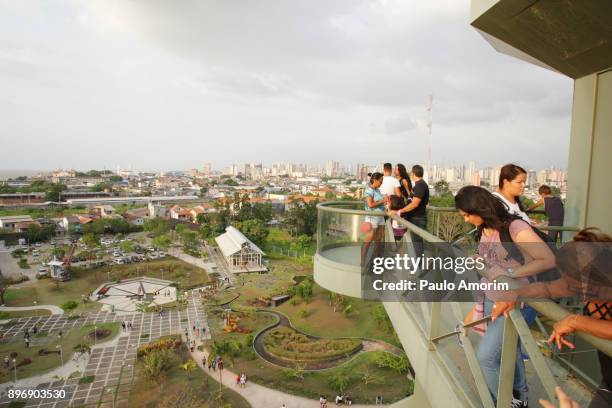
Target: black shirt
[553,206]
[420,190]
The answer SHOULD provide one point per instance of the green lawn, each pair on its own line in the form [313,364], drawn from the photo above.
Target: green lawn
[391,385]
[49,341]
[203,389]
[83,281]
[23,313]
[322,321]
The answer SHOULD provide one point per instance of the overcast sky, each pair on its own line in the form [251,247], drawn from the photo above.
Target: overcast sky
[160,84]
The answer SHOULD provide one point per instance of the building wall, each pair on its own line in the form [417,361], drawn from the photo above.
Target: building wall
[589,196]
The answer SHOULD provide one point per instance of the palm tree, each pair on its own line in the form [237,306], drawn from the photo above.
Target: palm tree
[189,366]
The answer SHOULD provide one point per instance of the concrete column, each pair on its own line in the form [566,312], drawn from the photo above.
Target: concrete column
[589,195]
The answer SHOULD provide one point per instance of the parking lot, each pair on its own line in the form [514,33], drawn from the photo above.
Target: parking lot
[131,249]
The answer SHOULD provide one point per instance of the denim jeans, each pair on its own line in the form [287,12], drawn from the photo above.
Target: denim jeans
[421,222]
[489,353]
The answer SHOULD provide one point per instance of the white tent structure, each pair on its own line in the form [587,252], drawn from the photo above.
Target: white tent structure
[241,254]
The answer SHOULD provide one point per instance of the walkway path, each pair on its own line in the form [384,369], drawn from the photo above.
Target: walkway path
[56,310]
[257,395]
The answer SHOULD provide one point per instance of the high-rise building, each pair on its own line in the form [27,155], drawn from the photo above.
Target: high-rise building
[207,168]
[332,168]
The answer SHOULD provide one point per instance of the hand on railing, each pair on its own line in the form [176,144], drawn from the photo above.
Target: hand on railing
[564,400]
[500,308]
[561,329]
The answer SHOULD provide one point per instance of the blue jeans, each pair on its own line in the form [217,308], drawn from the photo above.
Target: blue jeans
[421,222]
[489,353]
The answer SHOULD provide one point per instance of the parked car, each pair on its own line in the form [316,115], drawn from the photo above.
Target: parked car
[162,254]
[42,273]
[119,261]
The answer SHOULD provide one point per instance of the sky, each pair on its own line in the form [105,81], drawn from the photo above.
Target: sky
[161,85]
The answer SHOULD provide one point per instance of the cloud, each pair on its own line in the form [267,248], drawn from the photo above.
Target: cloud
[268,76]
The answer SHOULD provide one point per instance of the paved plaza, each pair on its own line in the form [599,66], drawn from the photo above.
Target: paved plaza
[113,366]
[124,296]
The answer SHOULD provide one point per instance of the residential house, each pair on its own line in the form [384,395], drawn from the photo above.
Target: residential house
[11,222]
[179,213]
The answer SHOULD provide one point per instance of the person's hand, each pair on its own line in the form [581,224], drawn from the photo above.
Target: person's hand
[560,330]
[564,400]
[500,308]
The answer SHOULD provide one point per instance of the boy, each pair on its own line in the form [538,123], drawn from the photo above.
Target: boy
[553,206]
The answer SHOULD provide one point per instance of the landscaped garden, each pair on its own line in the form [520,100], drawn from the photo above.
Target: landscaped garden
[166,376]
[340,322]
[84,281]
[44,354]
[290,345]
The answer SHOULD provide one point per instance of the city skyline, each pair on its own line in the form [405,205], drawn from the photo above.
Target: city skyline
[166,87]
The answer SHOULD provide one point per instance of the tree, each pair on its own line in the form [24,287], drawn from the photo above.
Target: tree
[369,377]
[262,211]
[104,186]
[91,240]
[39,234]
[340,380]
[302,217]
[127,246]
[4,284]
[53,193]
[115,179]
[206,231]
[189,366]
[254,230]
[155,364]
[203,191]
[180,228]
[296,372]
[441,187]
[157,226]
[161,242]
[190,241]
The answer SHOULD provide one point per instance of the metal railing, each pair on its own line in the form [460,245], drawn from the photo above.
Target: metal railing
[428,316]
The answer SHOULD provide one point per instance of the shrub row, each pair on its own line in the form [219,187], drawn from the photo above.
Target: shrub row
[161,344]
[286,343]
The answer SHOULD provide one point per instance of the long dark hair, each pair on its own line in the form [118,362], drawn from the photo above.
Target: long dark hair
[404,176]
[510,172]
[476,200]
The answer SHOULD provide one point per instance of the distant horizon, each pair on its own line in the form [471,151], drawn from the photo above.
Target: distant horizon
[10,173]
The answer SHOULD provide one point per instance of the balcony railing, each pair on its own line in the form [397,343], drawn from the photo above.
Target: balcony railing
[339,242]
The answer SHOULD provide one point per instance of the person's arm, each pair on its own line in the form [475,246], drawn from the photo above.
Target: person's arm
[413,204]
[596,327]
[373,204]
[540,290]
[548,290]
[397,191]
[529,243]
[536,205]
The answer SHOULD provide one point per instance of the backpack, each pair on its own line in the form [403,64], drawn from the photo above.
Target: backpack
[548,275]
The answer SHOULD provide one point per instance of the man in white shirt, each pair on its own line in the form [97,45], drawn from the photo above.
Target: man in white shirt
[390,185]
